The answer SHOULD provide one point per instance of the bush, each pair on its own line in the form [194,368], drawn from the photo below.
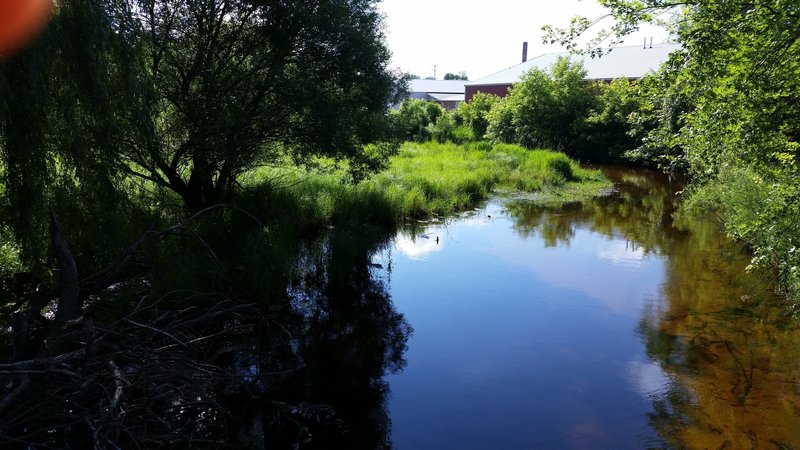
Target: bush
[608,134]
[545,109]
[474,113]
[760,212]
[413,120]
[446,129]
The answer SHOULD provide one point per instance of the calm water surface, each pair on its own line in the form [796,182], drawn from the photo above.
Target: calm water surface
[615,324]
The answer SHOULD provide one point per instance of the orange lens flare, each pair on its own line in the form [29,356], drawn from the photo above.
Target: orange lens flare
[20,22]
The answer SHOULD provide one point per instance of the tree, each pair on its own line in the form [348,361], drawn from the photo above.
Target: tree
[608,133]
[544,109]
[734,83]
[232,82]
[727,113]
[459,76]
[411,121]
[474,113]
[213,87]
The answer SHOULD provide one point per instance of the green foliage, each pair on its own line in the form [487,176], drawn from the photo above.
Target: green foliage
[545,109]
[474,113]
[421,180]
[435,178]
[188,95]
[63,102]
[446,129]
[10,262]
[608,133]
[456,76]
[725,109]
[657,121]
[412,121]
[121,111]
[761,212]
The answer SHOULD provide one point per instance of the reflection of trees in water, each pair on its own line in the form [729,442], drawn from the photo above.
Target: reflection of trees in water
[216,361]
[640,212]
[719,332]
[734,358]
[352,337]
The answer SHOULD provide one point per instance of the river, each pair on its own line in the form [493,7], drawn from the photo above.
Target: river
[613,324]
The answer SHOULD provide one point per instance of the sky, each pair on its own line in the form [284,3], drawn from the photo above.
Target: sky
[480,38]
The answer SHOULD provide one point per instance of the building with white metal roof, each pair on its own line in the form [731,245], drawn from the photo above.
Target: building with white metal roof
[448,93]
[631,62]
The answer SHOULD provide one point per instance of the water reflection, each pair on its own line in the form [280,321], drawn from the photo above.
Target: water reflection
[351,336]
[618,323]
[233,367]
[724,361]
[419,246]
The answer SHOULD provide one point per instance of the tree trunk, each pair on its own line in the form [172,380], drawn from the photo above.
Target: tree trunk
[68,307]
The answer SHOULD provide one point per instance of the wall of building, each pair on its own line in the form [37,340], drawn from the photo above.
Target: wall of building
[500,90]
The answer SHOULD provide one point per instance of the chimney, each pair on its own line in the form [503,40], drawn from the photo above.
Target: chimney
[524,51]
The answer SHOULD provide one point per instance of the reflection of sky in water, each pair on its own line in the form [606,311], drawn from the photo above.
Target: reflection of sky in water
[520,345]
[648,378]
[622,254]
[609,270]
[416,247]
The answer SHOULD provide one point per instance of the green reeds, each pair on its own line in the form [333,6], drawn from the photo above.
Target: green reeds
[423,179]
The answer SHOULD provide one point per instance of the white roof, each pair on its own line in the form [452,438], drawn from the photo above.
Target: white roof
[448,97]
[437,86]
[621,62]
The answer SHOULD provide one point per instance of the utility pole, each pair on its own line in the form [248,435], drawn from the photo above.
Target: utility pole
[434,71]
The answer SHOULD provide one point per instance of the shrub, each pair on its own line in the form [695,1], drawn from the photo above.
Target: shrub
[474,113]
[411,122]
[760,212]
[544,109]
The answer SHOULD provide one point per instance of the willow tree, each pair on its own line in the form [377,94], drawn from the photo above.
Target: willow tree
[59,133]
[227,84]
[189,94]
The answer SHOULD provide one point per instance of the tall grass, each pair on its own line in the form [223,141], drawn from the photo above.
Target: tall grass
[434,178]
[423,179]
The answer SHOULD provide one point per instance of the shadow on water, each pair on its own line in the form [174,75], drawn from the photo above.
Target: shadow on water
[717,331]
[221,358]
[351,337]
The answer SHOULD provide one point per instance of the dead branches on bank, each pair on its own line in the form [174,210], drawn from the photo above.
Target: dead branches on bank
[177,371]
[169,374]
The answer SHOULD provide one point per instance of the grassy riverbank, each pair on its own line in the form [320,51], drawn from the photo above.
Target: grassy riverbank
[422,180]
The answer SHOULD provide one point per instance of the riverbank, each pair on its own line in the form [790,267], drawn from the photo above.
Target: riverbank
[254,296]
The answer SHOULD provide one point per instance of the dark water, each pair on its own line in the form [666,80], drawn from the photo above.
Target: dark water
[616,324]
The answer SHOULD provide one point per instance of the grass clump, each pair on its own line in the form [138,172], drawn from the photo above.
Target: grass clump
[423,179]
[440,178]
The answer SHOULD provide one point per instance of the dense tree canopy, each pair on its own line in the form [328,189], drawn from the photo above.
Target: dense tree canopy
[126,105]
[231,81]
[189,94]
